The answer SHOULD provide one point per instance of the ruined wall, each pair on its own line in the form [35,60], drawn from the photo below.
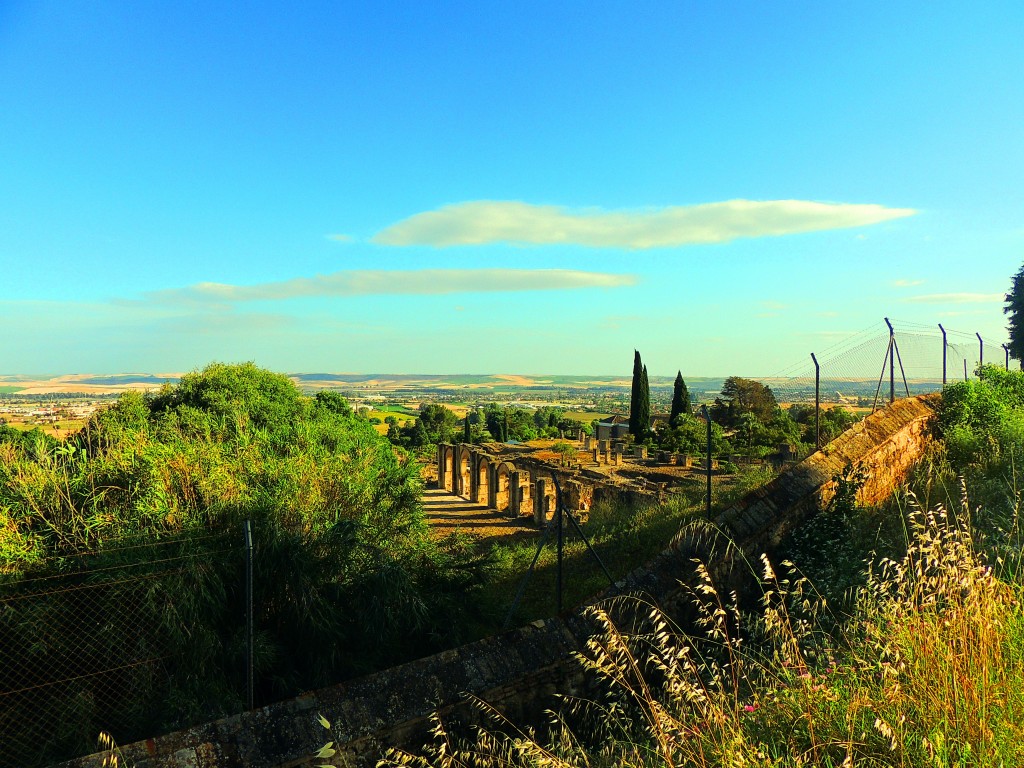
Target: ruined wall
[518,671]
[884,446]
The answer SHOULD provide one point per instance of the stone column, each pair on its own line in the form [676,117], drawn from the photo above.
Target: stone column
[440,465]
[540,502]
[492,485]
[524,501]
[515,494]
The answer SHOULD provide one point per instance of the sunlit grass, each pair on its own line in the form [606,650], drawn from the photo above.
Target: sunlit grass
[929,672]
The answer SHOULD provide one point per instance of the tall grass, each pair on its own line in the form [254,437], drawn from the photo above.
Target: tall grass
[929,672]
[910,654]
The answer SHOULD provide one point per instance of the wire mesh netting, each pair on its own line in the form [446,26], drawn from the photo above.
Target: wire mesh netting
[94,642]
[861,371]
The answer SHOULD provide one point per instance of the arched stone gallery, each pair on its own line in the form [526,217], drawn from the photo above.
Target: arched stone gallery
[472,473]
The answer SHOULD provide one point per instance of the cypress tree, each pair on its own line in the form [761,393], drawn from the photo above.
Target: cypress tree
[644,405]
[680,399]
[1015,309]
[467,436]
[634,397]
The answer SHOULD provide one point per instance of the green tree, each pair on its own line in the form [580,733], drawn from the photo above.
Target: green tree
[680,399]
[467,433]
[644,404]
[547,419]
[740,396]
[1015,309]
[635,393]
[689,435]
[436,424]
[566,452]
[394,433]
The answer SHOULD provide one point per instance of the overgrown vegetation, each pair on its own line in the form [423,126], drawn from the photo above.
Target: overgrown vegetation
[922,666]
[346,579]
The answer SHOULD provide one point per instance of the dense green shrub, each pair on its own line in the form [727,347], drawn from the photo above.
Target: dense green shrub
[346,578]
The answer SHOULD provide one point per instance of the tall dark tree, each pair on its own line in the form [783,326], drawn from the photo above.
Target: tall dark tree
[741,396]
[634,396]
[644,406]
[1015,309]
[467,434]
[680,399]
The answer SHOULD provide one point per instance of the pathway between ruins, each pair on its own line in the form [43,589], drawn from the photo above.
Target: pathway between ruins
[447,513]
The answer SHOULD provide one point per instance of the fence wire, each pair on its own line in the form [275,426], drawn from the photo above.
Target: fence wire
[855,372]
[92,642]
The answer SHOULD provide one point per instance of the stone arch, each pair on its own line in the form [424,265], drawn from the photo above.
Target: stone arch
[504,493]
[524,498]
[463,471]
[481,479]
[544,501]
[446,467]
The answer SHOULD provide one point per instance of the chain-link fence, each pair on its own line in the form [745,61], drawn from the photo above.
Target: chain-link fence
[105,640]
[859,370]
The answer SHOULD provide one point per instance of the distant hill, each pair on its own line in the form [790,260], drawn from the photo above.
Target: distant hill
[501,383]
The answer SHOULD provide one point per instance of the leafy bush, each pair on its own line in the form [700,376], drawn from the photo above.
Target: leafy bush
[346,578]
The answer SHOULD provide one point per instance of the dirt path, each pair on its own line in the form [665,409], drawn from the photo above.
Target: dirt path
[447,513]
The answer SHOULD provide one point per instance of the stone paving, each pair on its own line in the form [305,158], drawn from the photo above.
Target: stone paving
[447,513]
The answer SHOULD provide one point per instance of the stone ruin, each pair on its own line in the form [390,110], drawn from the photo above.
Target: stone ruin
[523,486]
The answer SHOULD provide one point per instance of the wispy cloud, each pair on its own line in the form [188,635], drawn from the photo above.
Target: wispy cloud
[340,238]
[394,282]
[771,309]
[497,221]
[957,298]
[906,283]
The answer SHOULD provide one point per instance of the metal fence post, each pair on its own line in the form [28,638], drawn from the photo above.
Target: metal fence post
[943,354]
[817,402]
[560,541]
[892,363]
[250,693]
[707,494]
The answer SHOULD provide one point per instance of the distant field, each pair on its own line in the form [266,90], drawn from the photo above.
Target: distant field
[7,389]
[58,429]
[397,410]
[400,416]
[586,416]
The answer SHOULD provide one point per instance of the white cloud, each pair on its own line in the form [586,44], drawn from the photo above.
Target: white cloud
[906,283]
[394,282]
[498,221]
[957,298]
[340,238]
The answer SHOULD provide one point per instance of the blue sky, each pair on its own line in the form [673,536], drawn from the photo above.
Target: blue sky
[501,187]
